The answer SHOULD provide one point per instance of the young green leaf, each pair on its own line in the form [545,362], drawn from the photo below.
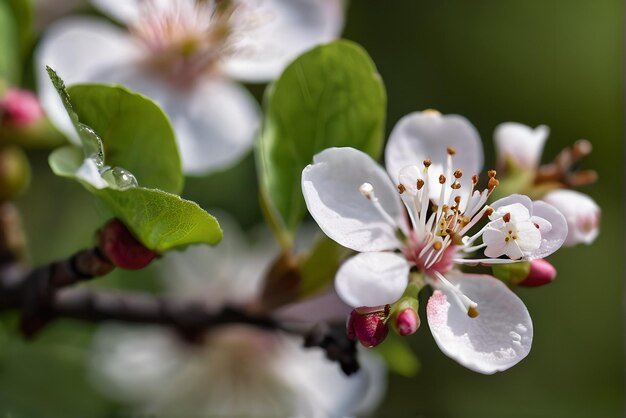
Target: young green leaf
[134,131]
[398,355]
[9,51]
[331,96]
[160,220]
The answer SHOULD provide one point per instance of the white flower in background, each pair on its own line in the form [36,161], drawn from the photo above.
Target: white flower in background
[520,144]
[581,212]
[523,146]
[475,319]
[238,370]
[184,54]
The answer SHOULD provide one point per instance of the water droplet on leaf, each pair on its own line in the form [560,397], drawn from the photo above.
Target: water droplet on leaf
[92,144]
[119,178]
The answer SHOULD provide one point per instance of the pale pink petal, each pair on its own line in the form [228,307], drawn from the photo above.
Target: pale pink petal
[496,340]
[372,279]
[427,135]
[581,212]
[331,191]
[268,34]
[520,143]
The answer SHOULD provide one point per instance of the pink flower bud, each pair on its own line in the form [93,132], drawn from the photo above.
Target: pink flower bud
[407,322]
[122,248]
[541,272]
[20,107]
[369,328]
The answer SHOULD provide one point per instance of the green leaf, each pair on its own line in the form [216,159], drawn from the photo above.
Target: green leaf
[398,355]
[511,274]
[9,46]
[160,220]
[319,266]
[331,96]
[23,13]
[135,132]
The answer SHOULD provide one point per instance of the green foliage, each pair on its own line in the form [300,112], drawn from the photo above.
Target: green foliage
[319,266]
[331,96]
[398,355]
[147,149]
[9,51]
[511,274]
[160,220]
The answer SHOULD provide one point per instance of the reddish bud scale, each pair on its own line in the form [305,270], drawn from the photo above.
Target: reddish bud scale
[122,248]
[370,329]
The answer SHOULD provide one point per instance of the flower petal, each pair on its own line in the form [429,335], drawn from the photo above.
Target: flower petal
[427,135]
[513,199]
[331,191]
[494,341]
[215,120]
[127,11]
[372,279]
[554,238]
[271,33]
[581,212]
[521,144]
[79,50]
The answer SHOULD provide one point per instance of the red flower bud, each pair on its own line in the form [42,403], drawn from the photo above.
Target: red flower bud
[541,272]
[20,107]
[407,322]
[369,328]
[122,248]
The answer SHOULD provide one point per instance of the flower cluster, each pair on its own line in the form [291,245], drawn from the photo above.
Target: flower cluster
[422,226]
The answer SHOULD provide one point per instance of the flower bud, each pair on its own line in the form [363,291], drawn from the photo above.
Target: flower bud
[14,173]
[581,213]
[407,322]
[541,272]
[369,328]
[122,248]
[519,146]
[511,274]
[20,108]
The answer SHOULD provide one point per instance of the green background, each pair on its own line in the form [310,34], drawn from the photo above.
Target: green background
[553,62]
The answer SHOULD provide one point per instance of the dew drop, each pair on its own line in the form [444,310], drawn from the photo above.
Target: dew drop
[515,336]
[119,178]
[92,144]
[521,328]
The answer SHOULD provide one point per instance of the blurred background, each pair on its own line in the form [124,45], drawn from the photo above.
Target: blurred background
[552,62]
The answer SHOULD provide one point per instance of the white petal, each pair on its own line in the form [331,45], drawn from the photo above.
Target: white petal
[322,390]
[125,11]
[528,236]
[372,279]
[79,50]
[271,33]
[89,172]
[581,213]
[496,243]
[513,199]
[427,135]
[496,340]
[520,143]
[554,238]
[408,177]
[215,120]
[131,363]
[331,191]
[327,307]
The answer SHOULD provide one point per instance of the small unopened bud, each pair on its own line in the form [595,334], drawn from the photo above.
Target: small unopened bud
[541,272]
[407,322]
[14,173]
[122,248]
[20,108]
[370,328]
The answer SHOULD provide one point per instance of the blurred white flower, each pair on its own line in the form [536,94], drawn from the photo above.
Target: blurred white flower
[520,144]
[238,370]
[523,146]
[183,54]
[581,212]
